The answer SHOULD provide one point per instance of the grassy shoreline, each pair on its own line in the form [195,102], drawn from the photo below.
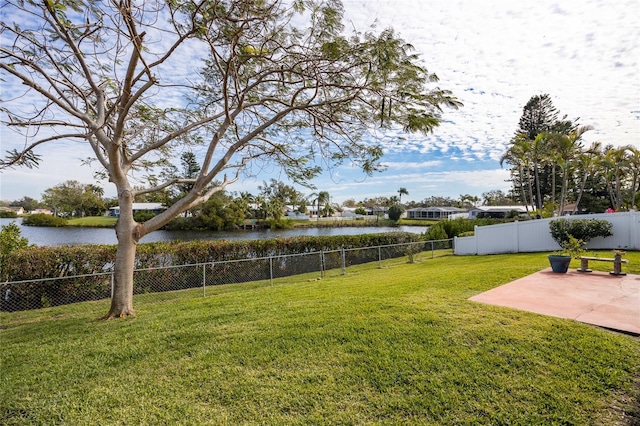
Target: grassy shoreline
[110,222]
[396,345]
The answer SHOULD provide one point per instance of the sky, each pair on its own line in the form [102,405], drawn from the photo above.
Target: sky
[494,55]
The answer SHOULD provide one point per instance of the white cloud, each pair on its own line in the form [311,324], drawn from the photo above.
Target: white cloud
[494,55]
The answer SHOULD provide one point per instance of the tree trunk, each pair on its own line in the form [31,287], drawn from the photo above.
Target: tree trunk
[538,192]
[618,193]
[582,187]
[530,187]
[563,192]
[553,186]
[122,300]
[522,191]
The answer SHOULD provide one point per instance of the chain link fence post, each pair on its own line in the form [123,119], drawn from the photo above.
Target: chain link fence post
[344,261]
[204,280]
[270,270]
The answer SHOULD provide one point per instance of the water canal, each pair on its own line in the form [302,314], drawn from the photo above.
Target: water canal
[45,236]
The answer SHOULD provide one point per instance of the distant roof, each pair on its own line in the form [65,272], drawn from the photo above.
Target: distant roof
[499,208]
[143,206]
[437,209]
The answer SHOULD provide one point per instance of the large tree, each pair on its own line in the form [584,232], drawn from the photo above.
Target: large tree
[540,115]
[532,151]
[72,198]
[271,82]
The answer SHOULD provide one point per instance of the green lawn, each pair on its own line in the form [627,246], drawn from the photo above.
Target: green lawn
[397,345]
[94,221]
[417,222]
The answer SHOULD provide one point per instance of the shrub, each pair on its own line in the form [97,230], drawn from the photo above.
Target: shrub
[143,216]
[278,223]
[48,262]
[446,229]
[436,232]
[41,219]
[573,248]
[8,214]
[580,229]
[395,212]
[10,240]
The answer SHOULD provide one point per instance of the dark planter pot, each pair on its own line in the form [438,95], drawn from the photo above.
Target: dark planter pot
[559,264]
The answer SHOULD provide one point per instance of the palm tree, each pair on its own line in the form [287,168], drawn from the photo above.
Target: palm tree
[323,200]
[518,155]
[622,166]
[402,191]
[540,157]
[588,164]
[247,202]
[261,204]
[567,147]
[633,161]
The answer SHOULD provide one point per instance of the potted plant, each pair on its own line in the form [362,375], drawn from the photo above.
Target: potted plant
[571,235]
[571,249]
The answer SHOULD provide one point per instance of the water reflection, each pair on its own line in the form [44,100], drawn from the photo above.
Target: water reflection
[42,236]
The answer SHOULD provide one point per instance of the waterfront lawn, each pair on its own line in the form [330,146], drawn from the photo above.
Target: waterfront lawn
[396,345]
[417,222]
[93,221]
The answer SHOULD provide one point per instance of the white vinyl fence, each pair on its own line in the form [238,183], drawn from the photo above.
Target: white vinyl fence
[534,236]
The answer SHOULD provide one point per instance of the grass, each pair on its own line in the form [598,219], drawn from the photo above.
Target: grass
[94,221]
[110,222]
[417,222]
[397,345]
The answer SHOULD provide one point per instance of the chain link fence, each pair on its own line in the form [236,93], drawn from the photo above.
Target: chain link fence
[56,291]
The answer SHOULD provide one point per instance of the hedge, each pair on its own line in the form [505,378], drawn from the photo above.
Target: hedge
[580,229]
[41,219]
[63,261]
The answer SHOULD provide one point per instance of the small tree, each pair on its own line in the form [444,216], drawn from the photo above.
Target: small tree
[395,212]
[267,83]
[436,232]
[10,240]
[562,230]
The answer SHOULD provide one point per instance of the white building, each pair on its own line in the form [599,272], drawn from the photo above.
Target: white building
[139,207]
[498,211]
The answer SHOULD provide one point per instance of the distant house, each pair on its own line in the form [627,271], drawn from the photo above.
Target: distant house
[498,212]
[433,212]
[19,210]
[41,211]
[290,212]
[570,209]
[154,208]
[349,212]
[376,210]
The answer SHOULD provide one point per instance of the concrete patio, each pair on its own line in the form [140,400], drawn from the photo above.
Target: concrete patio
[596,298]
